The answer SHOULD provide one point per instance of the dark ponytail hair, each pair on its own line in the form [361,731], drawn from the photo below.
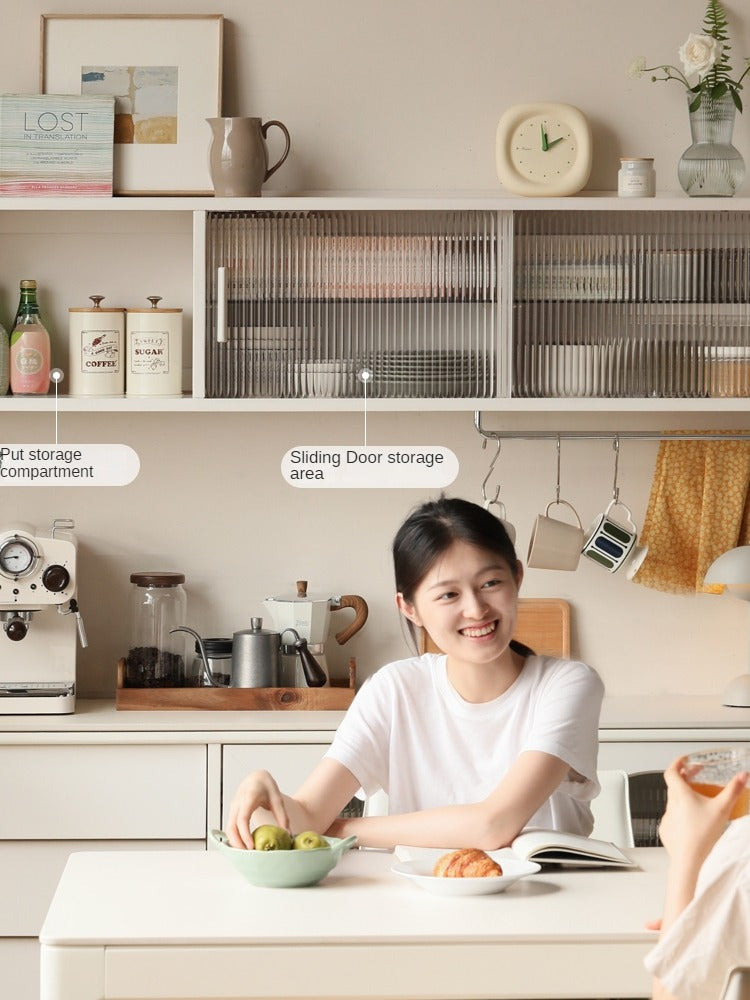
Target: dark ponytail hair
[432,528]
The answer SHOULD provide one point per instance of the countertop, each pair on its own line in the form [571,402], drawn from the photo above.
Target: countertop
[631,715]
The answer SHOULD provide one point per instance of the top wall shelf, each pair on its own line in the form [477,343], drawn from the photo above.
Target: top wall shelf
[600,201]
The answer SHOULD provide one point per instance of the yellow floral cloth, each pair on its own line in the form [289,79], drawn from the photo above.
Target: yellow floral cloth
[698,508]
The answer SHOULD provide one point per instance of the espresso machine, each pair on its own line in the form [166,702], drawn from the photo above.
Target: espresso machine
[41,623]
[304,617]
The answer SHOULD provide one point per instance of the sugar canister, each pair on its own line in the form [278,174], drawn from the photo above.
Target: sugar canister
[154,351]
[96,359]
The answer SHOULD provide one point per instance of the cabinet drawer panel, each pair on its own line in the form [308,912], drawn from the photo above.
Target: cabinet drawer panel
[635,757]
[290,764]
[101,792]
[19,962]
[31,872]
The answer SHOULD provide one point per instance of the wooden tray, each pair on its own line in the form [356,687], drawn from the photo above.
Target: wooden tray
[334,698]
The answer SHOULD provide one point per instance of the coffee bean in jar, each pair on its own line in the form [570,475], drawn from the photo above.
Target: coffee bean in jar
[156,655]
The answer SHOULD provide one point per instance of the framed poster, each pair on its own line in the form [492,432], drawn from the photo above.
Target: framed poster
[164,72]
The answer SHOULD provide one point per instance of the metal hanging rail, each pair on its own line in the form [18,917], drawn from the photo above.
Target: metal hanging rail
[606,435]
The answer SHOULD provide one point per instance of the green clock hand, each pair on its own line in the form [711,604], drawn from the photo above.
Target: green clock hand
[545,145]
[548,145]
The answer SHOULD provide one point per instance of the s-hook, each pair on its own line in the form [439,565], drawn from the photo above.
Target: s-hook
[488,501]
[615,487]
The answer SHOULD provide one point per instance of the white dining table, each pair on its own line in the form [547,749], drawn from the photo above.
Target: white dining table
[184,925]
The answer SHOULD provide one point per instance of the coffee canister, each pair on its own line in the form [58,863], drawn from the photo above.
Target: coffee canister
[96,359]
[154,351]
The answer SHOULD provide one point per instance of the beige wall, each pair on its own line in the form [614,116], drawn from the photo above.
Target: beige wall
[395,94]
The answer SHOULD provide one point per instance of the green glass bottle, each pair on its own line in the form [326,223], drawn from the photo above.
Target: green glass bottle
[29,347]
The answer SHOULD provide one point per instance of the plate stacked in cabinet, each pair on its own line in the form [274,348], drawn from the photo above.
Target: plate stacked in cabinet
[631,304]
[314,299]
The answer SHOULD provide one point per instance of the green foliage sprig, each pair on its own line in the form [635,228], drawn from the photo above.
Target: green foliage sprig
[705,60]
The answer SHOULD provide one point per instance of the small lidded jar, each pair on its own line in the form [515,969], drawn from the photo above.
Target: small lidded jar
[157,657]
[636,177]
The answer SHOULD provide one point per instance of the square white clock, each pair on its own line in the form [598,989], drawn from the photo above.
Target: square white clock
[543,149]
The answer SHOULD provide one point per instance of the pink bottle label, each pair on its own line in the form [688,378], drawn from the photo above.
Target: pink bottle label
[29,363]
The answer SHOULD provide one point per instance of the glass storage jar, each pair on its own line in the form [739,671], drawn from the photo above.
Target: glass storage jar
[636,177]
[157,656]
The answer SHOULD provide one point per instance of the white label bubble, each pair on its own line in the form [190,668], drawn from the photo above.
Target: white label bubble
[379,467]
[68,465]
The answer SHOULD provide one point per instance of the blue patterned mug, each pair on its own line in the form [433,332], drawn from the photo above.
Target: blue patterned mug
[609,542]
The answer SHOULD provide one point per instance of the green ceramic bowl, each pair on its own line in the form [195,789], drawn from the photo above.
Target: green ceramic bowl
[284,869]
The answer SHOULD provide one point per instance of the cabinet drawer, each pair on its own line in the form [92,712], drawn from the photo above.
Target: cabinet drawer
[290,764]
[31,872]
[19,962]
[102,792]
[646,756]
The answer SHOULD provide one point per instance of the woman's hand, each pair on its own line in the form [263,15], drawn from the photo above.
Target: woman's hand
[257,791]
[692,823]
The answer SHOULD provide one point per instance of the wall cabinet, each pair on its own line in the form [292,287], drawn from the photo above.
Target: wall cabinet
[447,302]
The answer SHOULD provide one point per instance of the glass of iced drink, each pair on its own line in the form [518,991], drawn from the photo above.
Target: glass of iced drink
[708,771]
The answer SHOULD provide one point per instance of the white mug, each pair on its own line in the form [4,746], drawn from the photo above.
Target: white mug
[502,517]
[555,544]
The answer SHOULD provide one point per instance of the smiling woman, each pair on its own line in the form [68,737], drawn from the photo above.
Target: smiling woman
[471,744]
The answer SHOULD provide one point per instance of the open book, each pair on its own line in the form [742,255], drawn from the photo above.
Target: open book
[551,847]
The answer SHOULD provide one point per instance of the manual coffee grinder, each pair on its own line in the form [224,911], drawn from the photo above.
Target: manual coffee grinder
[41,623]
[310,618]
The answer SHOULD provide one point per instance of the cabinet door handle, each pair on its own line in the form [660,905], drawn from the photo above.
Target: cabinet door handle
[222,333]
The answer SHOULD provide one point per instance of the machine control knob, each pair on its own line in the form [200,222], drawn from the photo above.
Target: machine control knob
[56,578]
[16,629]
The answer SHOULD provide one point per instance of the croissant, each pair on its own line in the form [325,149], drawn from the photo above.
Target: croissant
[468,862]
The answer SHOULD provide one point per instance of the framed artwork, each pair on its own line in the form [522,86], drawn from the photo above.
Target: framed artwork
[164,72]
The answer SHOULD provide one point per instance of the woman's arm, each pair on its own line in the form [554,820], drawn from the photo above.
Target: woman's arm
[259,800]
[691,825]
[489,824]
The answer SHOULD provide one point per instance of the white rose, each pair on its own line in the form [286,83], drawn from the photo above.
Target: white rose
[699,54]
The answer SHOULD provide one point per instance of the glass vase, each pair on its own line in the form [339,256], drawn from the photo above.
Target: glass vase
[711,166]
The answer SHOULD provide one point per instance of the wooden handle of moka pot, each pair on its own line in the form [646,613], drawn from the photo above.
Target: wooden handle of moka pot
[360,617]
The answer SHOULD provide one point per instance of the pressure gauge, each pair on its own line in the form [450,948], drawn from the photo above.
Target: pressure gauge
[18,557]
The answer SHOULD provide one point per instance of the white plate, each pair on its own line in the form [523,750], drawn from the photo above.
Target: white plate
[417,864]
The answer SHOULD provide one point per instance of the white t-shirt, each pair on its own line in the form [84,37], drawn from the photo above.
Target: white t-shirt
[712,933]
[410,733]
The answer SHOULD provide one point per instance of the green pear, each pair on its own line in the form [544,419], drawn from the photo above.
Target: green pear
[309,841]
[271,838]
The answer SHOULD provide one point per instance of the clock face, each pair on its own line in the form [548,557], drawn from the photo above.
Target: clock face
[543,149]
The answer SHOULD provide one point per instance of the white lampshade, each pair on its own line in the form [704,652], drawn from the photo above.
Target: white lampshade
[732,572]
